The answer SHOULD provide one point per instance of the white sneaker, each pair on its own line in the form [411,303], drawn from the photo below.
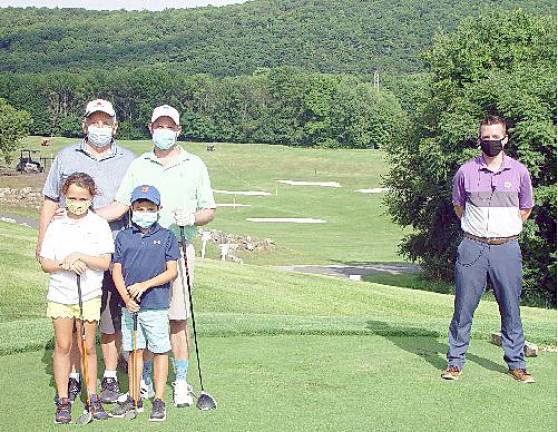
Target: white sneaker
[182,394]
[147,391]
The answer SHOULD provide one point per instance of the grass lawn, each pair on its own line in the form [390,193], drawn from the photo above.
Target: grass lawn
[357,229]
[321,383]
[296,352]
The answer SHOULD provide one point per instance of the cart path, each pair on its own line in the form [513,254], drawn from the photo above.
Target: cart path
[20,220]
[354,270]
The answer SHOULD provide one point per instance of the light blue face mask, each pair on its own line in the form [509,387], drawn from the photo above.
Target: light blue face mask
[144,219]
[99,136]
[164,139]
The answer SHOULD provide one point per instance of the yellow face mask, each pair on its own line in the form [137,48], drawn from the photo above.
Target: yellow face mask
[77,207]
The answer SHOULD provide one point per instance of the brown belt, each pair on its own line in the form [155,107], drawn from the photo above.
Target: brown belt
[490,240]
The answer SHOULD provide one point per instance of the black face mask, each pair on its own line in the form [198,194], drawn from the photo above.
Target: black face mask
[491,147]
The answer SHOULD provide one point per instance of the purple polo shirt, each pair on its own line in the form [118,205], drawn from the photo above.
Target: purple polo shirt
[492,200]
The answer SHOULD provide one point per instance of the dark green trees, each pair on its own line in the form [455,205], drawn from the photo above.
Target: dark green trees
[502,64]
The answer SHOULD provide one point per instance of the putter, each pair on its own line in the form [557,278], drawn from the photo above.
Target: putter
[134,386]
[206,402]
[86,417]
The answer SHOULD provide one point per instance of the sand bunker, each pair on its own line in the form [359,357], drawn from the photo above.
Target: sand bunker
[249,193]
[307,183]
[287,220]
[373,190]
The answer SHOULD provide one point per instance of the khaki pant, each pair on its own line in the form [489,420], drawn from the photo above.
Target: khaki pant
[180,309]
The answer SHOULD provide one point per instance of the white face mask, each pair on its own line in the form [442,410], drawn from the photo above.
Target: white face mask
[164,139]
[99,136]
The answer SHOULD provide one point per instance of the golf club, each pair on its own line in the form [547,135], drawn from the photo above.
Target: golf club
[134,384]
[86,417]
[206,402]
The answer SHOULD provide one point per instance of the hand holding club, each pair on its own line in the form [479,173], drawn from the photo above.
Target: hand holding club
[136,290]
[184,217]
[132,306]
[78,267]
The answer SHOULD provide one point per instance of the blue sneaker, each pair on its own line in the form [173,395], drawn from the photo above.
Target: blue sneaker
[63,411]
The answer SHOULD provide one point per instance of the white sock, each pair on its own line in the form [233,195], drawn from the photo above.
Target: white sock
[110,374]
[74,375]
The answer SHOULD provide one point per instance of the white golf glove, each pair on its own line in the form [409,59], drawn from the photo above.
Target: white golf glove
[184,217]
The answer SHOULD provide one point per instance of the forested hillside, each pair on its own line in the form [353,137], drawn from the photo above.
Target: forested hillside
[332,36]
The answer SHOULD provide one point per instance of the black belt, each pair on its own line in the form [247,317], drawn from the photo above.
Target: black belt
[490,240]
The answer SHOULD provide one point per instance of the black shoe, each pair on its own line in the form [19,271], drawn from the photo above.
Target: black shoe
[74,389]
[159,412]
[96,408]
[126,406]
[63,411]
[122,365]
[109,390]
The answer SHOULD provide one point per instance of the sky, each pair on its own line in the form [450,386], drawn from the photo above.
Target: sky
[153,5]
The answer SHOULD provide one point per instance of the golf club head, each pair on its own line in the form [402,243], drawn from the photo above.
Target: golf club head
[206,402]
[85,418]
[131,415]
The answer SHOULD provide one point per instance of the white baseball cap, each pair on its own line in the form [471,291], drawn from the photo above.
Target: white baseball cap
[99,105]
[166,111]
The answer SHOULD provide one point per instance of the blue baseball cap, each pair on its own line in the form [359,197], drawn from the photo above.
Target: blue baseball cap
[146,192]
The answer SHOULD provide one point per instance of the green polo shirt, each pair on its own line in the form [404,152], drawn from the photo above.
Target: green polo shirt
[184,184]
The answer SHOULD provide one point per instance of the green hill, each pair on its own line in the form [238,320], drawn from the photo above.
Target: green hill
[296,352]
[334,36]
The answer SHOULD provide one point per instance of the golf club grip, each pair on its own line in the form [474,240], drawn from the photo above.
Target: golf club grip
[80,300]
[189,284]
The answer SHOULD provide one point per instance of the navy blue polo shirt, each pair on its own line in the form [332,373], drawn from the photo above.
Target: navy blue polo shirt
[144,256]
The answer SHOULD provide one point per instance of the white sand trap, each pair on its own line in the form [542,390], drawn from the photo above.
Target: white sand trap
[249,193]
[233,205]
[307,183]
[373,190]
[287,220]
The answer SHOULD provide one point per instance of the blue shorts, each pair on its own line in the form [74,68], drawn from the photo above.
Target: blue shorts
[153,330]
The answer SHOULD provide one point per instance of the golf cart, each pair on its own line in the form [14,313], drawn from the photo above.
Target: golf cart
[27,164]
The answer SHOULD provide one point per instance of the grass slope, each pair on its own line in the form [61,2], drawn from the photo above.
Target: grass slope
[251,300]
[357,229]
[296,352]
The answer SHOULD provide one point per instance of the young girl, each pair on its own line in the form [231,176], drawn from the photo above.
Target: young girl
[79,243]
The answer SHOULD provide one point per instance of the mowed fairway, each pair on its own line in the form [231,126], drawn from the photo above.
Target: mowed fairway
[296,352]
[357,229]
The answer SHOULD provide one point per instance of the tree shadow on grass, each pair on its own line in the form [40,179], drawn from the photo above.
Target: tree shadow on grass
[425,344]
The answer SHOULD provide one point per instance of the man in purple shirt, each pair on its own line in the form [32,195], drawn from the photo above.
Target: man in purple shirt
[492,196]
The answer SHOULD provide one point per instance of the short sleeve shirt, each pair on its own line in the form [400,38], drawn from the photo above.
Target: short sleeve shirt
[90,235]
[492,200]
[183,185]
[107,173]
[144,256]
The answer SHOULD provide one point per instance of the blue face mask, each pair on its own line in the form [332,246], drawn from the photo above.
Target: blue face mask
[164,139]
[144,219]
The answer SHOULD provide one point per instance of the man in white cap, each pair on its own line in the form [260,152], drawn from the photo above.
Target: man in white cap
[186,201]
[98,155]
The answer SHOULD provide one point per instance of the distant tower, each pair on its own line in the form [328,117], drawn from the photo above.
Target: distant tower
[376,81]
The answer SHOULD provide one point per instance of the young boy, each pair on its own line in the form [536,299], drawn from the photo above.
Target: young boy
[145,262]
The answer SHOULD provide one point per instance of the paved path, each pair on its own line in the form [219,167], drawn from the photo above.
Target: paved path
[353,271]
[20,220]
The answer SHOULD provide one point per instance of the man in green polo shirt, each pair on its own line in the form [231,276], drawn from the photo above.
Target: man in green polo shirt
[186,200]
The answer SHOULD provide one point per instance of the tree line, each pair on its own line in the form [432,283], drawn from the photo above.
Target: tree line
[276,106]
